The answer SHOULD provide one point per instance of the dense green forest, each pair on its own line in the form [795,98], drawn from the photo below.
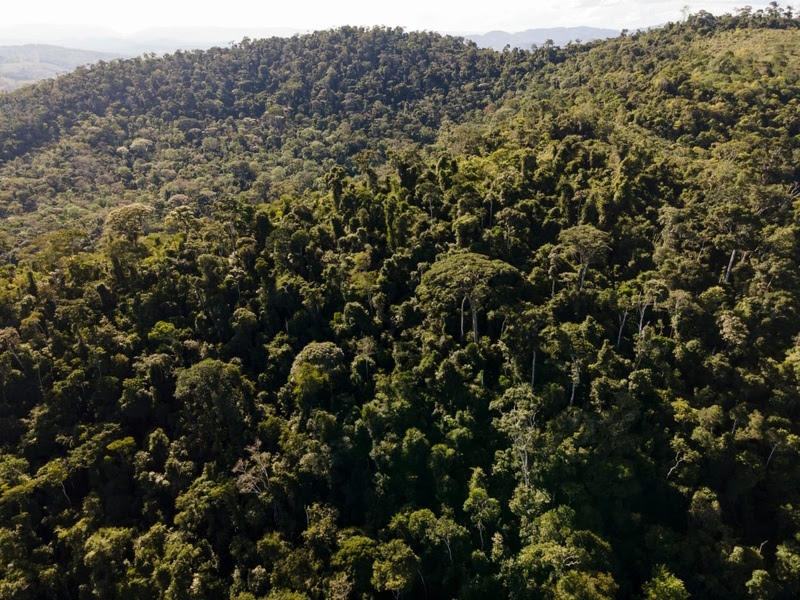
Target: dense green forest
[375,313]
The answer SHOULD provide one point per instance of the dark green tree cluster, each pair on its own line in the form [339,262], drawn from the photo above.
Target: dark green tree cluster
[530,332]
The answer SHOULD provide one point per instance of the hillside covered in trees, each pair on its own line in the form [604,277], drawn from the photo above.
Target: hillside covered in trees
[374,313]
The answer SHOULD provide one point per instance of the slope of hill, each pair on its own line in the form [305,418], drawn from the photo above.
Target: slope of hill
[26,62]
[21,65]
[273,101]
[369,313]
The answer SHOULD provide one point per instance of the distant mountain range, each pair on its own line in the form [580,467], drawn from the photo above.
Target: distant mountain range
[560,36]
[29,54]
[160,40]
[31,62]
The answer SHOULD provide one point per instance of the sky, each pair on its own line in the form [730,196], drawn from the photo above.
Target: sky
[460,16]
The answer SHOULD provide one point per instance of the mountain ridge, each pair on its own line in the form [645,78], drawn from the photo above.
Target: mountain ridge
[559,36]
[90,45]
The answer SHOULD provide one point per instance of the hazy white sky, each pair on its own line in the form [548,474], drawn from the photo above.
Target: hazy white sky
[441,15]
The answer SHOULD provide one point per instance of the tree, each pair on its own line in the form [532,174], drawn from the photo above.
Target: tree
[482,508]
[128,221]
[469,278]
[105,553]
[520,415]
[586,244]
[664,586]
[217,407]
[395,569]
[315,370]
[560,560]
[423,526]
[355,557]
[573,344]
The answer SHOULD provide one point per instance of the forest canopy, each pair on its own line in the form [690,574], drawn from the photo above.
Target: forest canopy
[375,313]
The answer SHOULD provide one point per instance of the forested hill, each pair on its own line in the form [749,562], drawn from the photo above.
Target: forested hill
[275,113]
[370,313]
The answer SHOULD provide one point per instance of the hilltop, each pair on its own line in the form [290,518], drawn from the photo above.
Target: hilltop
[298,105]
[29,62]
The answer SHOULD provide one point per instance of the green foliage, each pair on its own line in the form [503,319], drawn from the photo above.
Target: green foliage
[467,277]
[394,570]
[371,313]
[664,585]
